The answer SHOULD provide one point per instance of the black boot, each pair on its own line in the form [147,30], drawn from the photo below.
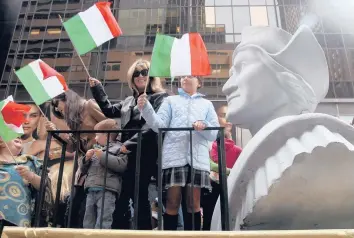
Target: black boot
[170,222]
[188,221]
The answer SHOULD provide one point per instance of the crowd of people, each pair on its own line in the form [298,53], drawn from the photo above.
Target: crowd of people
[150,107]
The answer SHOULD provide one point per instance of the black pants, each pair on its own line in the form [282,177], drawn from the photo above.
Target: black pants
[208,202]
[121,214]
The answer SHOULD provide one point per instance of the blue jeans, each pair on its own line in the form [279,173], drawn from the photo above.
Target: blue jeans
[93,210]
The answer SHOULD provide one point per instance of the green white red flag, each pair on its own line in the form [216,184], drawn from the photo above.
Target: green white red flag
[11,119]
[173,57]
[41,81]
[93,27]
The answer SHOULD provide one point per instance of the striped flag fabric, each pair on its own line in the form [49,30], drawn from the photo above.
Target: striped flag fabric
[173,57]
[41,81]
[11,119]
[93,27]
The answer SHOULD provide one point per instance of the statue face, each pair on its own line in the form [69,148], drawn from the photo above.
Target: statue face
[252,90]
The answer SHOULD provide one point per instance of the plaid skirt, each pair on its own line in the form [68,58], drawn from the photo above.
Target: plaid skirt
[182,176]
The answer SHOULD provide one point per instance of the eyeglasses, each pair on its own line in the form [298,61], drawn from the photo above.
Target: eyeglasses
[143,72]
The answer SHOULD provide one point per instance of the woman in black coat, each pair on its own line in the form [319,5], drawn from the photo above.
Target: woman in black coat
[130,118]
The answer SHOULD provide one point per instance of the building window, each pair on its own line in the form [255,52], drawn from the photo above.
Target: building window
[35,32]
[62,68]
[111,66]
[116,67]
[54,31]
[219,66]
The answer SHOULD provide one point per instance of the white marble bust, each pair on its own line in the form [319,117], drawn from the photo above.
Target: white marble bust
[297,169]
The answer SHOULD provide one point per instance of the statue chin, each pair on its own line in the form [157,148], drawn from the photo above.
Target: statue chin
[297,170]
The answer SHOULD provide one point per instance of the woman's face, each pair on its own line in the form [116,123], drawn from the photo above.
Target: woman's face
[61,107]
[32,120]
[140,78]
[190,84]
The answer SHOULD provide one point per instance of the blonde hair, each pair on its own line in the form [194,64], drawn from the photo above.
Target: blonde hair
[155,82]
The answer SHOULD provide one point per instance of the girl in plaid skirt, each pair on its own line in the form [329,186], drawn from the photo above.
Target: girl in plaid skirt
[187,109]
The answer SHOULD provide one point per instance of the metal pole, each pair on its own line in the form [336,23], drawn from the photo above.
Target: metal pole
[224,202]
[190,19]
[192,176]
[60,178]
[105,181]
[77,135]
[1,226]
[40,196]
[159,178]
[136,185]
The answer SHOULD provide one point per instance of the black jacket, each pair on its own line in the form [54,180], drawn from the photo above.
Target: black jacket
[129,115]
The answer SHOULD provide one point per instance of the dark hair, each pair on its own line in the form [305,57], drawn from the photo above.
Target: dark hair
[74,106]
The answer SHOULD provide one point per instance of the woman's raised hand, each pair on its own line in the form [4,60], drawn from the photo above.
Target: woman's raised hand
[93,82]
[142,100]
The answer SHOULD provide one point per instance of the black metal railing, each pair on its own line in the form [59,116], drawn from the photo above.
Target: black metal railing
[76,134]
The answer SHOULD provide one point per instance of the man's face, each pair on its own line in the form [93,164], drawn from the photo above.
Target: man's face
[251,89]
[32,120]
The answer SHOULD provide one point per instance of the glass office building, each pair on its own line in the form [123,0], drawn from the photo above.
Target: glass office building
[39,34]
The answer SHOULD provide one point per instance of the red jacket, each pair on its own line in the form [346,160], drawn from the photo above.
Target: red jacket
[231,152]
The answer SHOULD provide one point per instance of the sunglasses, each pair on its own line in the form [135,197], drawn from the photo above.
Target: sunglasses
[143,72]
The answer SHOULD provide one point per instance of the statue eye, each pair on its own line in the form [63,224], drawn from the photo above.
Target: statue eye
[240,67]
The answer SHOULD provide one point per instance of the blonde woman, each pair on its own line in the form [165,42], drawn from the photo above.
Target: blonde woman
[129,115]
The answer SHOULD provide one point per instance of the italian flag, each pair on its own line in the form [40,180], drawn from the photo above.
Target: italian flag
[93,27]
[179,57]
[41,81]
[11,119]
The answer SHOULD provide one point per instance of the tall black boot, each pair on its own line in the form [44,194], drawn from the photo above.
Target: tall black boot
[170,222]
[188,221]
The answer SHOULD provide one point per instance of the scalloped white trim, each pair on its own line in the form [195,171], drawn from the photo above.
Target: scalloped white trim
[261,175]
[275,166]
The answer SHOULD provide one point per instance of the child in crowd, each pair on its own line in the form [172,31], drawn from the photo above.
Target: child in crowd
[232,153]
[187,109]
[94,166]
[19,181]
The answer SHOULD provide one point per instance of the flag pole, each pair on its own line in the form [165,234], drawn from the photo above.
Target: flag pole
[82,62]
[146,85]
[41,111]
[13,157]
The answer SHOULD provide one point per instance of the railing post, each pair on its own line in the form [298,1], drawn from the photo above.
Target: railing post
[2,224]
[105,181]
[60,178]
[224,202]
[159,179]
[72,192]
[192,176]
[40,196]
[137,184]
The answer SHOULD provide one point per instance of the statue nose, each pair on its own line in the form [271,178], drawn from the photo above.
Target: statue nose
[229,87]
